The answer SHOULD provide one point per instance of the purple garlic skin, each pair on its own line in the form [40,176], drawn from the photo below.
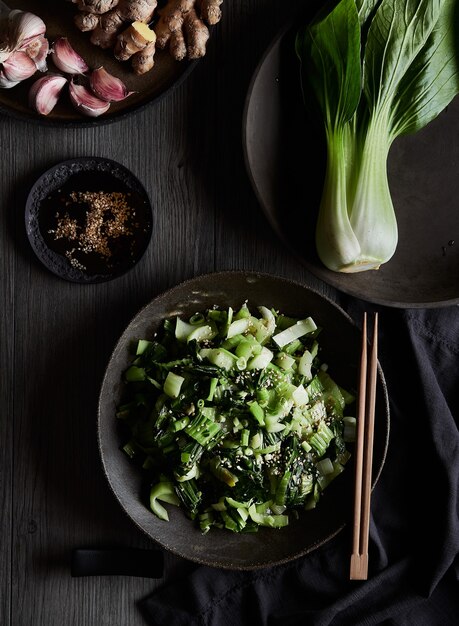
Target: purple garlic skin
[66,58]
[45,92]
[86,102]
[18,66]
[108,87]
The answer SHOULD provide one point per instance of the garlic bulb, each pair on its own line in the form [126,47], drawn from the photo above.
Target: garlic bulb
[107,86]
[66,58]
[45,92]
[23,47]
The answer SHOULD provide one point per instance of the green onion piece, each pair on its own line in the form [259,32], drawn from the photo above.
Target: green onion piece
[285,361]
[263,397]
[184,473]
[244,349]
[245,434]
[293,347]
[222,473]
[220,505]
[272,521]
[241,363]
[321,439]
[189,495]
[236,504]
[238,327]
[183,329]
[257,412]
[301,328]
[229,521]
[325,466]
[256,441]
[300,396]
[202,333]
[221,358]
[131,449]
[270,320]
[305,364]
[142,346]
[243,312]
[213,382]
[172,385]
[135,374]
[164,491]
[197,319]
[260,361]
[202,429]
[349,428]
[179,424]
[281,491]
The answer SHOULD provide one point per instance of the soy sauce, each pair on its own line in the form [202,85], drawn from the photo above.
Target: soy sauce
[73,204]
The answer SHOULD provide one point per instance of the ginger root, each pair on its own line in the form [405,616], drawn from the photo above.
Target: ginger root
[182,26]
[107,21]
[139,42]
[96,7]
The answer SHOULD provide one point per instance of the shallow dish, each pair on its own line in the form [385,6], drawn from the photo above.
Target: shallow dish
[285,162]
[51,205]
[340,341]
[150,87]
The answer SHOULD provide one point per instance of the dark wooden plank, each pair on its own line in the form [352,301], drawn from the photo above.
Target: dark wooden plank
[57,336]
[7,336]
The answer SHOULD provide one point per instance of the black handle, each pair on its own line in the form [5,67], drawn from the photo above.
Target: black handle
[117,562]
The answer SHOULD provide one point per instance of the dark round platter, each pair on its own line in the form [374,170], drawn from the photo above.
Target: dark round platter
[166,74]
[340,340]
[285,160]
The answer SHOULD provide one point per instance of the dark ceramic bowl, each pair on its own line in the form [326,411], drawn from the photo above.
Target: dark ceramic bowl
[48,203]
[340,341]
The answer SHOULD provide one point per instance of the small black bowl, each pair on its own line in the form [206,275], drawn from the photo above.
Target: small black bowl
[62,212]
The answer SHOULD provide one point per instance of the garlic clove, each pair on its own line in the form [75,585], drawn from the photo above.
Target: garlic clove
[38,51]
[45,92]
[18,66]
[87,102]
[5,51]
[24,27]
[5,83]
[108,87]
[66,58]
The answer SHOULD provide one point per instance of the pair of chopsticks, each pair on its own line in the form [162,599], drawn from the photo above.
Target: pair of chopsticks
[364,454]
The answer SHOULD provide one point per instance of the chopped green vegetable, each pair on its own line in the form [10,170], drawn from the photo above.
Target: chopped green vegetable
[240,426]
[375,69]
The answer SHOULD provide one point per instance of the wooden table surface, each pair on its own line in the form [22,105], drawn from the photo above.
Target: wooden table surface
[56,336]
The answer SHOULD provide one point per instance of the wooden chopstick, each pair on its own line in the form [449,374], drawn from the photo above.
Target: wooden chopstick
[364,453]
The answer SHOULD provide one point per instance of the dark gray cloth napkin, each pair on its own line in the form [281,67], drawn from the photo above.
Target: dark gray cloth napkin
[414,533]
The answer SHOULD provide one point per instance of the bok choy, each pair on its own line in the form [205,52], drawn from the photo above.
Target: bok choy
[374,70]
